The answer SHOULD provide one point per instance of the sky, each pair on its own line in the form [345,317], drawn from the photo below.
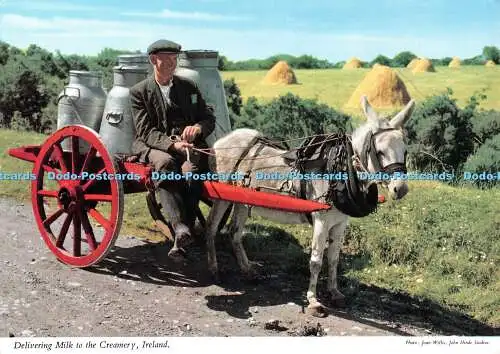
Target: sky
[330,29]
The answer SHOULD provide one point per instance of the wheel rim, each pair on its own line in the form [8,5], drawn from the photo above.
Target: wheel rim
[89,205]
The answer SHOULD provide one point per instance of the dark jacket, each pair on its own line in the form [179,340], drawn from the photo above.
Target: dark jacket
[154,122]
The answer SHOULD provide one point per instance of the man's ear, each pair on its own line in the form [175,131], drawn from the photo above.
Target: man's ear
[152,59]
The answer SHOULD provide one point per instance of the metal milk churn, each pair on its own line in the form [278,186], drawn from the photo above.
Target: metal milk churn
[201,67]
[139,60]
[81,102]
[117,125]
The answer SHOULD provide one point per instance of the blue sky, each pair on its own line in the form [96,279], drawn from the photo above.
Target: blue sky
[333,30]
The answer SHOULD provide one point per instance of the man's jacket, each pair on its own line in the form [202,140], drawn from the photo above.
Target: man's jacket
[154,121]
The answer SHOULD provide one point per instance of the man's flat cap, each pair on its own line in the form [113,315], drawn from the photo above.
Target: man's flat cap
[164,45]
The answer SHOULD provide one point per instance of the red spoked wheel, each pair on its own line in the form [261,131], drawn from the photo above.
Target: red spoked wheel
[76,190]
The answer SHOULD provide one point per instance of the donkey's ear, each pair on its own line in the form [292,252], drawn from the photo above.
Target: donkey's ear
[402,117]
[367,109]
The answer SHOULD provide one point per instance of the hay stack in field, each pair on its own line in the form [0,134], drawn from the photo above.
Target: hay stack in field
[455,63]
[353,63]
[424,66]
[490,63]
[412,63]
[383,87]
[280,73]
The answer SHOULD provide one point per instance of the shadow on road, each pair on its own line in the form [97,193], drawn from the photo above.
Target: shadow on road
[370,305]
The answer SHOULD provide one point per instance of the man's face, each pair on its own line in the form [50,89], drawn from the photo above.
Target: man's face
[164,63]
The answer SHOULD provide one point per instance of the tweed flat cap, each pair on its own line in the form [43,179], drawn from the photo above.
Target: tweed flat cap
[164,45]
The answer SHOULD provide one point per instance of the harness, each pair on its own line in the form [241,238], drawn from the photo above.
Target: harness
[369,151]
[332,154]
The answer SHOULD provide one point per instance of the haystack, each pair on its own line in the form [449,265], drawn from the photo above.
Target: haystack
[455,63]
[280,73]
[490,63]
[353,63]
[412,63]
[384,89]
[424,66]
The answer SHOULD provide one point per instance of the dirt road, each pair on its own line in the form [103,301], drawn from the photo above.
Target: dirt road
[137,291]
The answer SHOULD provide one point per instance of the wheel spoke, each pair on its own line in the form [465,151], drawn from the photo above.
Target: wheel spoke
[100,219]
[77,236]
[47,222]
[75,154]
[98,197]
[64,231]
[46,193]
[88,158]
[92,181]
[59,155]
[89,233]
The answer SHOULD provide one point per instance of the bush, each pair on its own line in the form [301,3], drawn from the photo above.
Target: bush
[486,159]
[440,133]
[233,99]
[291,117]
[486,124]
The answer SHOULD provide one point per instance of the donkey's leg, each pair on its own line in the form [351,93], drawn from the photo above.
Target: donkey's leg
[214,218]
[240,215]
[320,233]
[335,239]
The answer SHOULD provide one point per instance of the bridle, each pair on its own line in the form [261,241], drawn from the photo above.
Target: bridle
[369,151]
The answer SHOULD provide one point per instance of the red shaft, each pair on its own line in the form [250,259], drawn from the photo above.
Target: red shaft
[243,195]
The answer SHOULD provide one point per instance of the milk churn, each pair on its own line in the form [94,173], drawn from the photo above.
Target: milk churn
[117,126]
[201,67]
[140,60]
[81,102]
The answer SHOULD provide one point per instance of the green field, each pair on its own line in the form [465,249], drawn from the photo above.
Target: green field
[440,243]
[335,86]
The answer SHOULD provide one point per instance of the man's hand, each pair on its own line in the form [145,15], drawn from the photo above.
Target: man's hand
[180,146]
[190,133]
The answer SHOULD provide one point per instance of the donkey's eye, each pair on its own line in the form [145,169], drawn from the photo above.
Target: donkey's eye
[380,153]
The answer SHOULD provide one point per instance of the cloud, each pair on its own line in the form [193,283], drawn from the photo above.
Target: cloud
[50,6]
[201,16]
[89,36]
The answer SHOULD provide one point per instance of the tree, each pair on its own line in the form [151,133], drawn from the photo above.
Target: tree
[403,59]
[222,63]
[492,53]
[22,90]
[108,57]
[382,60]
[4,53]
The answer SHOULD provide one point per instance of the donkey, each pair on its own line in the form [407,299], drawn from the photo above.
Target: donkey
[377,146]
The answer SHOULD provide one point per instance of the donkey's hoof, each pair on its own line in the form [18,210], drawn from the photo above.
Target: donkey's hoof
[178,255]
[317,310]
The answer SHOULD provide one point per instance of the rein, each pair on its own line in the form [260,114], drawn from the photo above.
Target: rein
[369,151]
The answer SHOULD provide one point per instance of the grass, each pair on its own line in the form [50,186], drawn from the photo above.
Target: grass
[440,242]
[335,86]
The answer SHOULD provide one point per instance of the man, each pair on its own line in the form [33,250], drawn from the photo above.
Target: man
[166,105]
